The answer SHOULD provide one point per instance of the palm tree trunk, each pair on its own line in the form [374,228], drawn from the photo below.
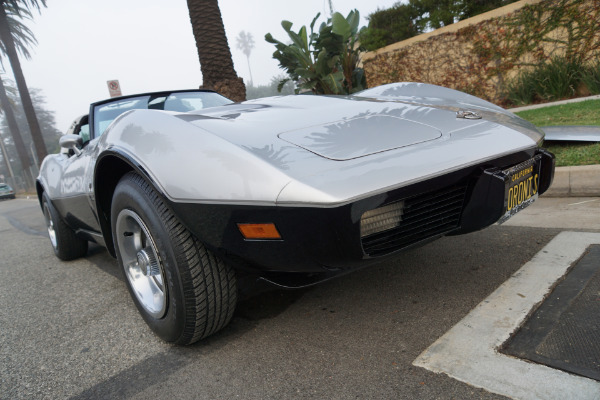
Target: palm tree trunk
[250,70]
[16,135]
[11,52]
[216,64]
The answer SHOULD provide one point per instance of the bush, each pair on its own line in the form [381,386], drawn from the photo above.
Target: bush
[558,79]
[591,77]
[403,21]
[389,26]
[521,90]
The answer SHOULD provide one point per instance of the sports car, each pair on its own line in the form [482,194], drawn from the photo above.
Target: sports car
[196,196]
[6,192]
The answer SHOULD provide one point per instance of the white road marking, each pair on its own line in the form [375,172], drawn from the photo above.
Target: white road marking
[468,351]
[583,202]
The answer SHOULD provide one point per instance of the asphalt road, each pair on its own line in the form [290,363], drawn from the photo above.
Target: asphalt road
[70,329]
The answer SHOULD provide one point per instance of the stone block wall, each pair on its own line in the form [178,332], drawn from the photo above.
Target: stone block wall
[479,54]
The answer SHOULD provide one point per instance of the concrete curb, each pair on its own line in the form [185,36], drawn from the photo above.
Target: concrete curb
[581,181]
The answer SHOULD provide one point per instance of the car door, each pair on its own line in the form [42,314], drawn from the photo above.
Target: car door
[75,201]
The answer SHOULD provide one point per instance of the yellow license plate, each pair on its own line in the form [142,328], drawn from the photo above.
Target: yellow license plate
[522,184]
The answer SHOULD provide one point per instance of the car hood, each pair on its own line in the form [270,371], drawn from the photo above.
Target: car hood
[343,128]
[317,150]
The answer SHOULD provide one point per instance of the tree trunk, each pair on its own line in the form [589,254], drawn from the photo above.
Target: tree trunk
[11,52]
[13,127]
[250,71]
[216,64]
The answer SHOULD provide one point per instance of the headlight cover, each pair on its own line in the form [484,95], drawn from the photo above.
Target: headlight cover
[381,219]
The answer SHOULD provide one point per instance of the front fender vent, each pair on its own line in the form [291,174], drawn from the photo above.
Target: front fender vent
[424,216]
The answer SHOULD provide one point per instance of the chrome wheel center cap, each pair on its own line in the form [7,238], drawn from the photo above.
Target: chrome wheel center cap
[147,263]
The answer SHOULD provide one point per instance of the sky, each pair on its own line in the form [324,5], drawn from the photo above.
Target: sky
[148,45]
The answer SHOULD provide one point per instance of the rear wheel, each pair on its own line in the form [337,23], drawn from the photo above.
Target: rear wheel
[67,246]
[183,291]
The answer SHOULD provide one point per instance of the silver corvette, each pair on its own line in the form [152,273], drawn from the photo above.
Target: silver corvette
[196,196]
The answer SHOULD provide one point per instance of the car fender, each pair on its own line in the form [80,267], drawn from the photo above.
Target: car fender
[190,164]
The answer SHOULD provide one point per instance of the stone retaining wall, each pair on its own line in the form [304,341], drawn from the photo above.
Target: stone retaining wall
[479,54]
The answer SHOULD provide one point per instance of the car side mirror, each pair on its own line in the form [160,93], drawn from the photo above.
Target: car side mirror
[71,142]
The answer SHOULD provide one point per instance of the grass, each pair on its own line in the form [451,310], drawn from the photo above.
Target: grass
[582,113]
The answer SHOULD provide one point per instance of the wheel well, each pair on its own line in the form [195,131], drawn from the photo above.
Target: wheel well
[109,171]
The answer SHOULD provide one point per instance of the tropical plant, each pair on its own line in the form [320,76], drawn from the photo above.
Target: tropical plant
[16,39]
[245,42]
[218,73]
[324,62]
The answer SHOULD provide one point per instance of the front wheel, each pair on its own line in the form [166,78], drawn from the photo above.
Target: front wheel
[183,291]
[65,243]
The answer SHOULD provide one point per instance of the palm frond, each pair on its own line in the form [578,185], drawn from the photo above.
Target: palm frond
[22,36]
[23,7]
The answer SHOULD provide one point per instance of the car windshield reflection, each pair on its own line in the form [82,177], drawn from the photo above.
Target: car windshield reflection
[105,114]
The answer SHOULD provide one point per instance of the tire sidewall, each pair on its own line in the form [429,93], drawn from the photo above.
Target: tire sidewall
[55,221]
[130,195]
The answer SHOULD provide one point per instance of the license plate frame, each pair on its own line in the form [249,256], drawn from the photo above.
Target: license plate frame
[521,186]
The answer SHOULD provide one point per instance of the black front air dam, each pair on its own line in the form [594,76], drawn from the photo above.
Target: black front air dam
[486,204]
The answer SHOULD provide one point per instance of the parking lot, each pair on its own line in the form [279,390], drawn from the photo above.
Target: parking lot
[70,329]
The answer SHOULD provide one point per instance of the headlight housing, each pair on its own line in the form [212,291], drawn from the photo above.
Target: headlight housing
[381,219]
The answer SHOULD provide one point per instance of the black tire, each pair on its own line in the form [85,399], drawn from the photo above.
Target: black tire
[197,291]
[65,243]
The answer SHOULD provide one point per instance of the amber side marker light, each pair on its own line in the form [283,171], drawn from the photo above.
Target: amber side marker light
[259,231]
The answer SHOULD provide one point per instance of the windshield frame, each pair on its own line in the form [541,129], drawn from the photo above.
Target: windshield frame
[151,95]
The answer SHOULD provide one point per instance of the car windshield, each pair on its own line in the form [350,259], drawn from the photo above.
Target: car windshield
[4,186]
[105,113]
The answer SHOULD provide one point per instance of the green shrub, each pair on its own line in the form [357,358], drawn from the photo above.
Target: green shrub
[407,19]
[591,77]
[374,38]
[389,26]
[521,90]
[557,79]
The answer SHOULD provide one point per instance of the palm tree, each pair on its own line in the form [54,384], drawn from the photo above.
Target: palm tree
[245,42]
[22,38]
[13,127]
[216,64]
[11,11]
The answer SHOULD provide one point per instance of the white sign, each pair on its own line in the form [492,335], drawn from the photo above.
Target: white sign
[114,88]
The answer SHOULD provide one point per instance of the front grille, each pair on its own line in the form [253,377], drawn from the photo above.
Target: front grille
[426,215]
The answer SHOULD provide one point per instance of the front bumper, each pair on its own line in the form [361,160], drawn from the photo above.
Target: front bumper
[326,241]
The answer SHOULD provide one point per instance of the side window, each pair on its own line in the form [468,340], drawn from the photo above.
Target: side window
[84,132]
[82,128]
